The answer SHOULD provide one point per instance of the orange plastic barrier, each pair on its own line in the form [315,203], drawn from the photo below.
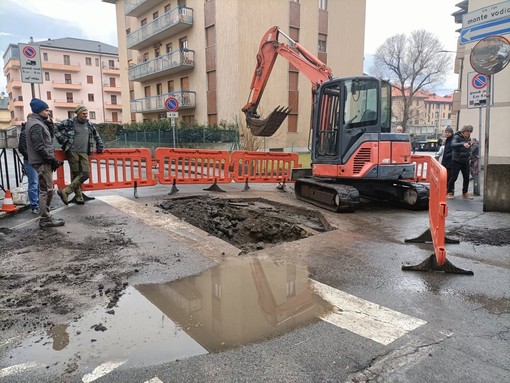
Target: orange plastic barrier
[112,169]
[431,171]
[192,166]
[263,166]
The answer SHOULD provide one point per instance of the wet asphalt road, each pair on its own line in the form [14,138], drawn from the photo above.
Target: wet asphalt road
[464,320]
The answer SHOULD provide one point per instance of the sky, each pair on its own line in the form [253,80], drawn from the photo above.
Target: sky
[95,20]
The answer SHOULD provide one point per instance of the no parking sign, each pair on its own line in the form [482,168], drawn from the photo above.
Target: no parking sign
[476,90]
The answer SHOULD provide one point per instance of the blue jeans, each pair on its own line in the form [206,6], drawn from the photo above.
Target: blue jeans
[33,185]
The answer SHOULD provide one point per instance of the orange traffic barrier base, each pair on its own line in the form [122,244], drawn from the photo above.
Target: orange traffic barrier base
[430,264]
[8,206]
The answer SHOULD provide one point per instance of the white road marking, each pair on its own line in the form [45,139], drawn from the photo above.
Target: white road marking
[365,318]
[208,245]
[154,380]
[102,370]
[17,368]
[37,218]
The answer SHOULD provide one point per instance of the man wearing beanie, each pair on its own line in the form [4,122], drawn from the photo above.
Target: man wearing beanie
[41,155]
[77,137]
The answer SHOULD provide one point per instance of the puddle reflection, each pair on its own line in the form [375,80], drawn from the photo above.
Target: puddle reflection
[241,301]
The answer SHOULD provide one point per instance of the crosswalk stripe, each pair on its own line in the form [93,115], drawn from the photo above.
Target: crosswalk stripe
[365,318]
[154,380]
[102,370]
[4,372]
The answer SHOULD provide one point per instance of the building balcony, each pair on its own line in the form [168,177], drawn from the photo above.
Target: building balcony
[168,24]
[14,84]
[111,89]
[68,104]
[172,62]
[67,86]
[18,103]
[63,67]
[12,64]
[186,98]
[110,106]
[110,70]
[135,8]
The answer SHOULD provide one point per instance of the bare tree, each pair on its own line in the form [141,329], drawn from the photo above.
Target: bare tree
[411,63]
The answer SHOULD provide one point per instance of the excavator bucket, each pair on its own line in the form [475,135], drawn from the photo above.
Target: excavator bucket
[268,126]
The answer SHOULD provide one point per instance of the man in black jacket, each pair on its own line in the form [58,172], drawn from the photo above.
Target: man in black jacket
[446,152]
[461,152]
[41,156]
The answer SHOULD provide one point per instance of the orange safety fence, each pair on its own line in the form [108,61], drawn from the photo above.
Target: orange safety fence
[192,166]
[428,169]
[263,166]
[112,169]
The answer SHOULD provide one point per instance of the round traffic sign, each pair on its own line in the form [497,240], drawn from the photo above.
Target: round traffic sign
[479,81]
[171,104]
[29,52]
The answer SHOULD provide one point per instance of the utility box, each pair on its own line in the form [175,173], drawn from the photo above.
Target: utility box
[9,138]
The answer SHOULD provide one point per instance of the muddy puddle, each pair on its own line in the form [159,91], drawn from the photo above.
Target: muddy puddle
[238,302]
[248,224]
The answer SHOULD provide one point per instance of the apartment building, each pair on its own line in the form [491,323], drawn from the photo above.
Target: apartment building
[203,52]
[429,114]
[75,71]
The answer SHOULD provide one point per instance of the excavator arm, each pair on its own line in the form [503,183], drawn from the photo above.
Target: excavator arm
[300,58]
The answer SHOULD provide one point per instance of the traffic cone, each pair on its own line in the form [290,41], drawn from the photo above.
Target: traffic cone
[8,205]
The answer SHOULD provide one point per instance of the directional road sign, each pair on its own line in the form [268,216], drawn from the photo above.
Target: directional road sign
[171,104]
[30,57]
[478,32]
[486,14]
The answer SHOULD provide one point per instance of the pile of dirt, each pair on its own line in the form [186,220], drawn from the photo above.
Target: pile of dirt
[249,224]
[481,235]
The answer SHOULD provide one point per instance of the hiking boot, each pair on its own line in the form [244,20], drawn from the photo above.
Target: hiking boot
[51,222]
[450,195]
[63,196]
[466,196]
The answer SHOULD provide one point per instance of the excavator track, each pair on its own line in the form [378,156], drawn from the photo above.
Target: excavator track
[328,195]
[404,194]
[345,197]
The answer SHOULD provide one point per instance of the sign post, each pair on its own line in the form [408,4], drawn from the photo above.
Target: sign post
[172,105]
[489,56]
[30,65]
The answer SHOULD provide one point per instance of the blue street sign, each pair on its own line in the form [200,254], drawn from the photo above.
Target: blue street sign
[171,104]
[478,32]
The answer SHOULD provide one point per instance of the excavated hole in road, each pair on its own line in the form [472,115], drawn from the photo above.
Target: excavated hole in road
[248,224]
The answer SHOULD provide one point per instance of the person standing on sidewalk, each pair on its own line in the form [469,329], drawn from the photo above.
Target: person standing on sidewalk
[461,152]
[33,183]
[77,137]
[446,152]
[41,156]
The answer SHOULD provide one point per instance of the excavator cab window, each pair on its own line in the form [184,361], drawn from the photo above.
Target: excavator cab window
[346,109]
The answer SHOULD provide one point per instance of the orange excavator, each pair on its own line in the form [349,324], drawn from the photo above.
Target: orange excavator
[354,154]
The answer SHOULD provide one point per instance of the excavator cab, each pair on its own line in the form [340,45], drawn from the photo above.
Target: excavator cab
[348,111]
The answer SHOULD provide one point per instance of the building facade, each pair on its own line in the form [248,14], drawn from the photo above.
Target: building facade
[468,114]
[74,72]
[429,115]
[203,52]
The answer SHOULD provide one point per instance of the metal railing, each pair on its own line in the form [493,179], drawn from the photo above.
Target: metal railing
[176,16]
[187,100]
[179,58]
